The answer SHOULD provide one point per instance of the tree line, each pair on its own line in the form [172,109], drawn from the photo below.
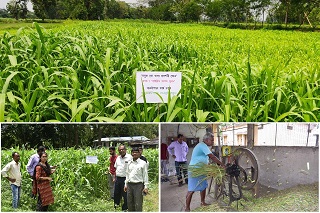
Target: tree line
[69,135]
[273,11]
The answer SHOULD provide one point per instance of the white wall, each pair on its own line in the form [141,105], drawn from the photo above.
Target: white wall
[278,134]
[188,130]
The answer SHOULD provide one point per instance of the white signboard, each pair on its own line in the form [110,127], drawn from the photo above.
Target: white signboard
[92,159]
[156,85]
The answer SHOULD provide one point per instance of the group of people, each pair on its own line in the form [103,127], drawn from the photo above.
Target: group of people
[128,178]
[201,154]
[39,170]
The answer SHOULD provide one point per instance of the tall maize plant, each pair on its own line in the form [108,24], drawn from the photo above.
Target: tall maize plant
[75,182]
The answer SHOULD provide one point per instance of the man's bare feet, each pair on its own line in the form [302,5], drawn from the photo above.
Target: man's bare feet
[204,204]
[187,210]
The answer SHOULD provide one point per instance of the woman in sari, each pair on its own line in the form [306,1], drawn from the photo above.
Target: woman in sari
[41,183]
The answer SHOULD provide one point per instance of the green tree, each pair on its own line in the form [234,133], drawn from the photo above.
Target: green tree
[79,12]
[80,9]
[214,10]
[162,12]
[116,9]
[314,16]
[293,11]
[4,13]
[17,8]
[94,9]
[69,135]
[191,12]
[138,12]
[303,8]
[45,8]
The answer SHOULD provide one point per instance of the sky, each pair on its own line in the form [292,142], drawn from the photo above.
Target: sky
[3,4]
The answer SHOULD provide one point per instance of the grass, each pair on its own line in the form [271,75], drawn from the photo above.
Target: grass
[85,71]
[302,198]
[12,25]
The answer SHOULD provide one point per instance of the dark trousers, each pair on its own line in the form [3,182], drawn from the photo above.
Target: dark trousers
[119,192]
[41,208]
[181,167]
[135,197]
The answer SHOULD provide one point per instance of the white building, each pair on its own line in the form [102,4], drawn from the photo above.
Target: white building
[273,134]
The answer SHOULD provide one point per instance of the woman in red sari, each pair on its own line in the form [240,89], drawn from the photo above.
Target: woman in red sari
[41,183]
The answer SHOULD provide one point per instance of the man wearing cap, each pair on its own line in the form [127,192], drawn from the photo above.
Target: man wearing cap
[136,183]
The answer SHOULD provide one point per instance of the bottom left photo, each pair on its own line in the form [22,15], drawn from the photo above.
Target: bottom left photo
[92,167]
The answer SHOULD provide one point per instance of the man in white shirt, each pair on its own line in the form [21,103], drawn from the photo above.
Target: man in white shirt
[136,184]
[12,172]
[121,168]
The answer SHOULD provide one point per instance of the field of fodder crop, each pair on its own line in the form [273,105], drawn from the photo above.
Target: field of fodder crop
[77,186]
[85,71]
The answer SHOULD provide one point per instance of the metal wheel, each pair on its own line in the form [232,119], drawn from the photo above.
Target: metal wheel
[247,175]
[248,164]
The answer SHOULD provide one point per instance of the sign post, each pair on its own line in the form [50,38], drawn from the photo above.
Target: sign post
[92,159]
[155,86]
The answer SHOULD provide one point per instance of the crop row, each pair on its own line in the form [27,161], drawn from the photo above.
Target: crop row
[85,71]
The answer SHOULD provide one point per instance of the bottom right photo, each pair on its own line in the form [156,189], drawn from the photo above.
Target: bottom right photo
[245,167]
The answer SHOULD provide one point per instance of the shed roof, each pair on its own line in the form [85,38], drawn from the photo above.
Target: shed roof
[123,139]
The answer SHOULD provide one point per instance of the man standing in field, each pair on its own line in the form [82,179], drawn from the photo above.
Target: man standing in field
[112,170]
[12,172]
[180,156]
[136,183]
[34,160]
[121,167]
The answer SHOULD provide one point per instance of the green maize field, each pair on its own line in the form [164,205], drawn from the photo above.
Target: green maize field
[85,71]
[77,186]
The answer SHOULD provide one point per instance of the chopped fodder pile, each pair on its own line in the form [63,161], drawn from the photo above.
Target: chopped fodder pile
[301,198]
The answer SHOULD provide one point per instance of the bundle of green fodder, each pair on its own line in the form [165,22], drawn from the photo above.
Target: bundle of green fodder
[208,171]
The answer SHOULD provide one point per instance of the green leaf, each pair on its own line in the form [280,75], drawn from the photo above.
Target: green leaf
[13,60]
[8,80]
[2,106]
[201,116]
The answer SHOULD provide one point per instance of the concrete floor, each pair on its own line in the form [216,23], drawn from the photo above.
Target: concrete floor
[173,197]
